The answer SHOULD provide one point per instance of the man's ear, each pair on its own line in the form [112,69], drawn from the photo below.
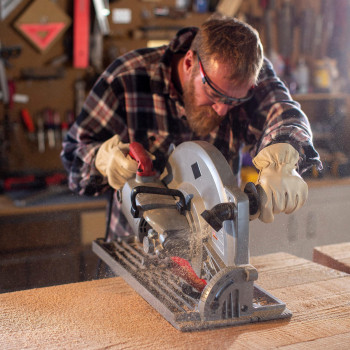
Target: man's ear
[188,62]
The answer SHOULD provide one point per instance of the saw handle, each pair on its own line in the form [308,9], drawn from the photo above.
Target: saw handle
[145,165]
[254,200]
[181,204]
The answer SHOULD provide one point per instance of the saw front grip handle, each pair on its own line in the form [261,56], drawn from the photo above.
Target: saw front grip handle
[145,165]
[181,204]
[254,200]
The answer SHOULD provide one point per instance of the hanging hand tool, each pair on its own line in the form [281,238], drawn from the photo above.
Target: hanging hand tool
[29,124]
[40,133]
[49,127]
[7,6]
[7,93]
[286,30]
[57,128]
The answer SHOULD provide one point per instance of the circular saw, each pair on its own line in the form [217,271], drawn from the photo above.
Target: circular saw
[189,255]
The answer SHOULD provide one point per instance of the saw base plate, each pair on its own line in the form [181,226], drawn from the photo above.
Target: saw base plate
[163,290]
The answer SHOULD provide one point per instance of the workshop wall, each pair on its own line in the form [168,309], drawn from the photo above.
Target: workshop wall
[49,87]
[56,89]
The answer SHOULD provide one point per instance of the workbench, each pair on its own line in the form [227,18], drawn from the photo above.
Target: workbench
[107,313]
[336,256]
[49,243]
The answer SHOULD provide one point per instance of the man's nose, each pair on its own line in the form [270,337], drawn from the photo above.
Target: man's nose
[221,109]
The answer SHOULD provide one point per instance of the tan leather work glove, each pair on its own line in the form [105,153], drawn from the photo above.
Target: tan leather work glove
[114,162]
[281,187]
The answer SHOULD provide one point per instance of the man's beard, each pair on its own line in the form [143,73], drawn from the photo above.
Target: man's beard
[202,119]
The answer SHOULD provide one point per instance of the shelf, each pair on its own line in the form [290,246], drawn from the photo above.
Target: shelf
[328,181]
[321,96]
[7,208]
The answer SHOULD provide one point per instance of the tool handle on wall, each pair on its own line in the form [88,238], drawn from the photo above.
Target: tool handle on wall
[41,134]
[27,120]
[137,152]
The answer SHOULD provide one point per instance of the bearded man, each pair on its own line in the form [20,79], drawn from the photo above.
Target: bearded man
[211,83]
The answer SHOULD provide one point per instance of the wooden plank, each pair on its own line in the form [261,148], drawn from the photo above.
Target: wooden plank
[342,342]
[109,314]
[335,256]
[7,208]
[272,271]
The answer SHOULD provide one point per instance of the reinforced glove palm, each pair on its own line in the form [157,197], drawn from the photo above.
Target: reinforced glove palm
[281,187]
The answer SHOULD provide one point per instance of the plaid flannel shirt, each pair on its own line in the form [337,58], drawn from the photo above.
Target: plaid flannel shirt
[136,99]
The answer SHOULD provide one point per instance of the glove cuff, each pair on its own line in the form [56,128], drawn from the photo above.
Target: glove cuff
[105,154]
[276,155]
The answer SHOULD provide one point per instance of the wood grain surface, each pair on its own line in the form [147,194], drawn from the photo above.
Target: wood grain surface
[108,314]
[336,256]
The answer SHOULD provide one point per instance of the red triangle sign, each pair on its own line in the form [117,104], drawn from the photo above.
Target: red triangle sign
[42,34]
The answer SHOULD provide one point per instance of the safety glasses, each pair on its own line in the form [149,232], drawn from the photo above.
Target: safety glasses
[222,98]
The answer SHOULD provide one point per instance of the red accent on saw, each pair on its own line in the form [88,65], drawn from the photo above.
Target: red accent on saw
[42,34]
[183,269]
[137,151]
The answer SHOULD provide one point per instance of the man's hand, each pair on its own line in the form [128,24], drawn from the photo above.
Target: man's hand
[114,162]
[281,187]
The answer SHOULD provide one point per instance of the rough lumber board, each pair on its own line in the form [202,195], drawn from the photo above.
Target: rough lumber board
[336,256]
[109,314]
[339,341]
[272,270]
